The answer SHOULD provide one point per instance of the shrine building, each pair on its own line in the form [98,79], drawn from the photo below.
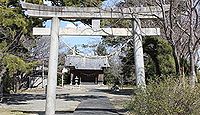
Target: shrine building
[86,70]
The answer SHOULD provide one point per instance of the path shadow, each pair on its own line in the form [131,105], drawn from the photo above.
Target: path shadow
[81,98]
[43,112]
[122,111]
[95,109]
[15,99]
[19,99]
[120,92]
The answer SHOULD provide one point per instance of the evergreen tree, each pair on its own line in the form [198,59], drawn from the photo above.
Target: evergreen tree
[15,30]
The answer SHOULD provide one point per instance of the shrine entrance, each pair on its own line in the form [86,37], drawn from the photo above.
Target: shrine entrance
[85,77]
[87,70]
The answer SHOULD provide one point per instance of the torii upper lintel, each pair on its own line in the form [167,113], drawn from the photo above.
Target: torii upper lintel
[93,12]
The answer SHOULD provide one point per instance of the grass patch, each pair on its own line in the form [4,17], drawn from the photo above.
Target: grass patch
[10,112]
[166,97]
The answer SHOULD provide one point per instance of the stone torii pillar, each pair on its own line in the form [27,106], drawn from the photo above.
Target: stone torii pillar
[138,54]
[52,68]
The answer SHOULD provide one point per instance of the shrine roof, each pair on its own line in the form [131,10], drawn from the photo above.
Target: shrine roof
[86,63]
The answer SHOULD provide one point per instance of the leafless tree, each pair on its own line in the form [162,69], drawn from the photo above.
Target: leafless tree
[180,26]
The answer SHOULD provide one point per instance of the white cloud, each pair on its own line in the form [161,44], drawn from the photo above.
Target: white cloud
[70,25]
[81,25]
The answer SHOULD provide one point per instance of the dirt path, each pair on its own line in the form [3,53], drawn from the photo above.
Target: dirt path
[67,99]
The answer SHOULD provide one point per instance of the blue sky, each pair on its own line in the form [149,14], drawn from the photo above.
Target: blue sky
[110,3]
[76,40]
[79,40]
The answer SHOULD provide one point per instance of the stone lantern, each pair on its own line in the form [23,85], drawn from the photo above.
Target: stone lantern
[76,80]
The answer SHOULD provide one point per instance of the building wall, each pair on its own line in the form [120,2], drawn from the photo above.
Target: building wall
[37,82]
[87,76]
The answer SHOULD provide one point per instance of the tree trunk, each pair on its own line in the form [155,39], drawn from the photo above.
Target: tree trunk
[1,82]
[156,62]
[192,70]
[191,45]
[173,44]
[176,60]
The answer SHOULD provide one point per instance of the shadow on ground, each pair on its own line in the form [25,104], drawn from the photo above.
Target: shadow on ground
[43,112]
[95,110]
[120,92]
[18,99]
[22,99]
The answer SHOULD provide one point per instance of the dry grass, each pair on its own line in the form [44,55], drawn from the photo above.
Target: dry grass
[10,112]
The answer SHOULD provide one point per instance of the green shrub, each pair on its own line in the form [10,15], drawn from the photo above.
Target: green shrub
[167,97]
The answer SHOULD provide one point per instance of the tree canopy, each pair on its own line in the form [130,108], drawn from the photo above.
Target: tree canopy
[16,29]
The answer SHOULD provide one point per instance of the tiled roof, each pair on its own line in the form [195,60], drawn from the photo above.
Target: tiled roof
[86,63]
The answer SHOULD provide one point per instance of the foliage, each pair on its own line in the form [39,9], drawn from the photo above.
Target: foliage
[15,30]
[101,50]
[159,59]
[14,63]
[15,66]
[110,77]
[81,2]
[11,16]
[15,27]
[128,65]
[167,97]
[115,23]
[113,75]
[157,55]
[35,1]
[185,66]
[87,3]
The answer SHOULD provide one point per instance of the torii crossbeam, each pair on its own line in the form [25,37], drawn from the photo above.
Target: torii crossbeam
[134,14]
[97,32]
[93,12]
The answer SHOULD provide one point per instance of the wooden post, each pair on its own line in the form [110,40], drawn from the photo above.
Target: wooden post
[100,79]
[43,74]
[80,80]
[71,78]
[138,54]
[63,79]
[52,69]
[96,79]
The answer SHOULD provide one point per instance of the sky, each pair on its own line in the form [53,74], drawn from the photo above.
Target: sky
[80,40]
[110,3]
[76,40]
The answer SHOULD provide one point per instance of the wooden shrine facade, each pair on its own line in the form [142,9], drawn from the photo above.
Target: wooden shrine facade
[88,70]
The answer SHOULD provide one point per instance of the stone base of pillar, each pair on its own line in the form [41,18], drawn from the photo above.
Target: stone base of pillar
[100,79]
[100,83]
[71,78]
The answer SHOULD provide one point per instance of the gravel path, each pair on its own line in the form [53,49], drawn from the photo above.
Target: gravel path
[70,100]
[99,106]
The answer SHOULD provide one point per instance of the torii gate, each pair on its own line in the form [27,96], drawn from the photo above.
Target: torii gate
[133,13]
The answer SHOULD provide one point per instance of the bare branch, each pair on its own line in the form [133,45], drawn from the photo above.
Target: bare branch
[195,4]
[184,30]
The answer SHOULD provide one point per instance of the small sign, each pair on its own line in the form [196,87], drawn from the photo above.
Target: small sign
[64,70]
